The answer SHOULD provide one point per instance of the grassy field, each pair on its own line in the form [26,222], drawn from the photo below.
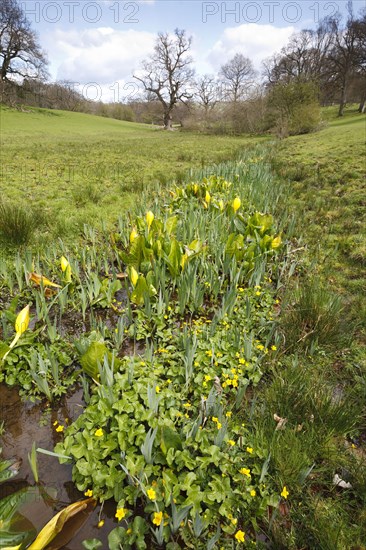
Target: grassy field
[327,175]
[297,424]
[75,168]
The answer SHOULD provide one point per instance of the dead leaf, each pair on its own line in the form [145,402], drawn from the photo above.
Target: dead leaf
[40,279]
[339,482]
[281,422]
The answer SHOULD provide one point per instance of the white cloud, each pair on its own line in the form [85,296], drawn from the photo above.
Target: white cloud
[103,55]
[252,40]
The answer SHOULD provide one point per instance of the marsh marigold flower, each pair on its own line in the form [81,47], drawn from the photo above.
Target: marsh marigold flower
[158,518]
[121,513]
[98,432]
[151,493]
[240,536]
[284,492]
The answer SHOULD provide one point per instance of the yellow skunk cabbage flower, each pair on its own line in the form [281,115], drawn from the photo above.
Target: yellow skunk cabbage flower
[149,218]
[195,188]
[66,268]
[133,235]
[134,276]
[208,197]
[236,204]
[276,242]
[221,205]
[22,321]
[64,263]
[21,325]
[183,260]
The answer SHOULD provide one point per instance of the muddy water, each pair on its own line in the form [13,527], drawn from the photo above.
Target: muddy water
[25,423]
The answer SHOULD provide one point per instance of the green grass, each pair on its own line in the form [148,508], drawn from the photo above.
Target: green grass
[79,168]
[327,175]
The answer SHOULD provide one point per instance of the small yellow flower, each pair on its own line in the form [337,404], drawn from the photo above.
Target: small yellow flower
[285,492]
[274,348]
[187,405]
[219,425]
[120,513]
[151,493]
[60,428]
[249,450]
[100,523]
[129,531]
[157,389]
[234,521]
[55,423]
[207,378]
[88,493]
[158,518]
[98,432]
[240,536]
[245,471]
[208,197]
[231,442]
[253,493]
[228,414]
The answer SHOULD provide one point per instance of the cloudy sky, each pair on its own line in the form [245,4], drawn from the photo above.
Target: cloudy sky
[98,45]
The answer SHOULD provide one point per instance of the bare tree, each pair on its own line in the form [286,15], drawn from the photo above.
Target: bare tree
[237,74]
[167,73]
[207,92]
[20,53]
[347,57]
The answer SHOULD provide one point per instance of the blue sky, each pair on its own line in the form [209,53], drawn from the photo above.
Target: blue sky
[98,45]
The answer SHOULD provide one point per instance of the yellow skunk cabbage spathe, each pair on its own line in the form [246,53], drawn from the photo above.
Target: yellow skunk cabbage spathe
[21,325]
[133,235]
[149,218]
[134,276]
[236,204]
[276,242]
[66,268]
[22,321]
[59,523]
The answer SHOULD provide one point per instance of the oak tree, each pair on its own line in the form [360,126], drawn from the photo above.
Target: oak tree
[167,74]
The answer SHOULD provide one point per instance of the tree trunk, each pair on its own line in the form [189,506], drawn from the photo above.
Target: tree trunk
[362,106]
[167,120]
[343,101]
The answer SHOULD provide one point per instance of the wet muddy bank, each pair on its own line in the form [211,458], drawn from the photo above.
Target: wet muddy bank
[25,423]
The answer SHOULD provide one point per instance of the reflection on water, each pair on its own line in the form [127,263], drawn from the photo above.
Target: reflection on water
[25,423]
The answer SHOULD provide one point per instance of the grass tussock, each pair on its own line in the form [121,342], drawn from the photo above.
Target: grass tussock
[312,316]
[19,223]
